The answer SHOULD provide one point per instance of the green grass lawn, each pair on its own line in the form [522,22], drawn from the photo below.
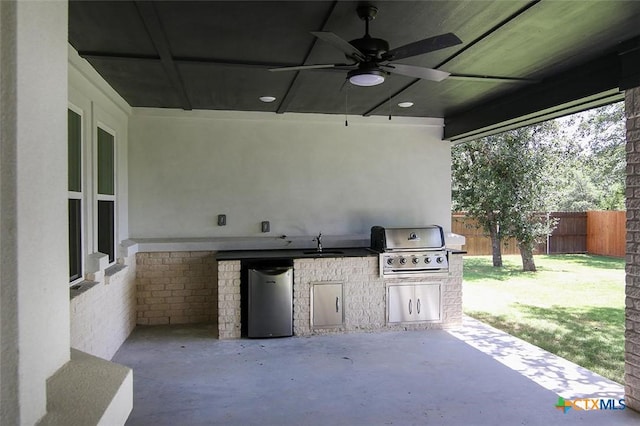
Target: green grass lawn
[573,306]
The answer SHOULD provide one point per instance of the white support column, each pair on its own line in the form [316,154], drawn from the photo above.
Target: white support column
[34,297]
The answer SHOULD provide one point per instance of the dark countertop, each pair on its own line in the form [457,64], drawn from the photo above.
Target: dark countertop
[295,253]
[302,253]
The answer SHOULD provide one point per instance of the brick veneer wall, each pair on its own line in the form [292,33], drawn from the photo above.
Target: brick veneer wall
[229,309]
[452,293]
[176,287]
[632,310]
[103,316]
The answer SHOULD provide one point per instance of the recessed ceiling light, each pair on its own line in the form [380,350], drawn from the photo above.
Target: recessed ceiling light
[267,99]
[405,104]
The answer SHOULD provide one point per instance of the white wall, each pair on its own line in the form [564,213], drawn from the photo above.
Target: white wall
[303,173]
[35,299]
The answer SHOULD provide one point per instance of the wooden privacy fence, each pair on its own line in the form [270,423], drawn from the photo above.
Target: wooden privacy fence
[606,233]
[595,232]
[477,242]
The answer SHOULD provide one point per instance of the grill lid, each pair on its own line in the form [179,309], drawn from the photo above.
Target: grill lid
[403,239]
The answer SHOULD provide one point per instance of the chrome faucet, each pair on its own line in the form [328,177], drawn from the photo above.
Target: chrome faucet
[318,239]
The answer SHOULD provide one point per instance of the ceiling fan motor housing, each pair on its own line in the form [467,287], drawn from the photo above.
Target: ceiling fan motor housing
[372,47]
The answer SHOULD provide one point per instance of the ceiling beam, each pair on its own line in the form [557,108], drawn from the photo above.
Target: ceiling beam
[183,60]
[118,57]
[460,51]
[149,16]
[293,88]
[586,86]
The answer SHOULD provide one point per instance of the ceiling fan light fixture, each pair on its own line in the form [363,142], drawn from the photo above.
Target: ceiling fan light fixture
[366,77]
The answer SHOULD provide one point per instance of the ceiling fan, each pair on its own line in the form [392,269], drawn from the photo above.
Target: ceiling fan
[371,57]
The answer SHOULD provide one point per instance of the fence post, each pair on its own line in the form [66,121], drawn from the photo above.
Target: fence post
[549,233]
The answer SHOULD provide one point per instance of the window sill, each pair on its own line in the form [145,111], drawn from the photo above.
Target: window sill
[114,269]
[77,289]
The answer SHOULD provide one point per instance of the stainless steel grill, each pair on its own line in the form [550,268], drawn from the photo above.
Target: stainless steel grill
[410,251]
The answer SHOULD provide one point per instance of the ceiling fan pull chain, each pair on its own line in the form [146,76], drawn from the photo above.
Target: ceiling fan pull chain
[346,106]
[389,101]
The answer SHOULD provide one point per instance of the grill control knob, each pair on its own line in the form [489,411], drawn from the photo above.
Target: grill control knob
[415,260]
[427,260]
[403,260]
[390,261]
[439,260]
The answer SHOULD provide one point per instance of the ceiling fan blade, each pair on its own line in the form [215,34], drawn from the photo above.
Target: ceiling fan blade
[423,46]
[305,67]
[492,79]
[416,72]
[341,44]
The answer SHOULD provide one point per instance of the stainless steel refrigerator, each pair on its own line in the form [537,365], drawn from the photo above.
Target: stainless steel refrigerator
[270,302]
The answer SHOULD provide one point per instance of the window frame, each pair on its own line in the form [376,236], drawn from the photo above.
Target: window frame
[78,195]
[99,125]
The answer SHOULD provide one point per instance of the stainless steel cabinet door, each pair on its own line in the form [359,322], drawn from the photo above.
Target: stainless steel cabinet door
[427,298]
[413,302]
[401,303]
[327,305]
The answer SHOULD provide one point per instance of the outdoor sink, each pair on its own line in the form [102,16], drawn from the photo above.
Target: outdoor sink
[323,252]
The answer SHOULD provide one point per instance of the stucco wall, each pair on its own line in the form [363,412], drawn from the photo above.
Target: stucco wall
[303,173]
[33,98]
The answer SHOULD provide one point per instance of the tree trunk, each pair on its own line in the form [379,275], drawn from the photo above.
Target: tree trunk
[526,252]
[496,250]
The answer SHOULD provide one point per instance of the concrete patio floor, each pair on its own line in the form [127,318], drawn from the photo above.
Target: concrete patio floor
[474,375]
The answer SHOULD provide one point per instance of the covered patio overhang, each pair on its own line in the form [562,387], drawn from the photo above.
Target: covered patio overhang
[592,84]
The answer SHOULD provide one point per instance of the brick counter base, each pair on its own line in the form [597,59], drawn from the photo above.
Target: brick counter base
[176,287]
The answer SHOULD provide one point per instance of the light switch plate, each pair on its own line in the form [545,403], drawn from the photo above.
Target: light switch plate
[222,219]
[266,227]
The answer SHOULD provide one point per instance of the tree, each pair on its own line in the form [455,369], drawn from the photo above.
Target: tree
[603,130]
[593,175]
[504,180]
[474,188]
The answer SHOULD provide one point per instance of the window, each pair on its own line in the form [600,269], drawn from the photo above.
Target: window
[106,193]
[74,149]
